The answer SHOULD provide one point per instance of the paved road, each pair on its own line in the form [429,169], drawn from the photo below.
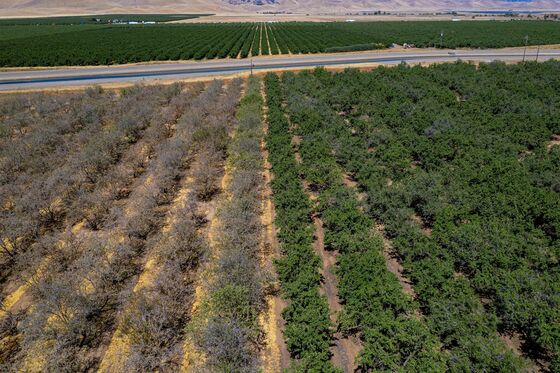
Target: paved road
[61,77]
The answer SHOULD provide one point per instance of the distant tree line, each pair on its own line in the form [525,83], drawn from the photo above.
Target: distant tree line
[80,45]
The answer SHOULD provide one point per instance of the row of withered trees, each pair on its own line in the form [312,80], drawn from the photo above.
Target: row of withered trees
[227,330]
[78,274]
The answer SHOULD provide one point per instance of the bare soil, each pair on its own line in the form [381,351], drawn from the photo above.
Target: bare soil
[554,141]
[427,231]
[260,39]
[351,183]
[393,265]
[345,349]
[18,299]
[397,269]
[514,341]
[275,42]
[294,17]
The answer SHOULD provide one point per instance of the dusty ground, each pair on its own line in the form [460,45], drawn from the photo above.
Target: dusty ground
[554,141]
[515,342]
[394,266]
[193,358]
[257,17]
[287,10]
[426,230]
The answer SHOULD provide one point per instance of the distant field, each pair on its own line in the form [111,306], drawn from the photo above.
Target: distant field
[22,32]
[102,44]
[97,19]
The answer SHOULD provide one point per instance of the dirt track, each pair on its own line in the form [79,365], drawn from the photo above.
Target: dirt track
[345,349]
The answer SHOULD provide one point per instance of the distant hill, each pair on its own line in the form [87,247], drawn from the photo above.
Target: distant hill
[61,7]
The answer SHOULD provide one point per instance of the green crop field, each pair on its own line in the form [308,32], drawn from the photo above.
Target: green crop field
[30,32]
[48,45]
[97,19]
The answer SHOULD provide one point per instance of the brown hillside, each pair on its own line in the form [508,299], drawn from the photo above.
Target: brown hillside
[61,7]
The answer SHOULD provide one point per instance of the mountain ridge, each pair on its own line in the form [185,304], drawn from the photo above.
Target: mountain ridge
[60,7]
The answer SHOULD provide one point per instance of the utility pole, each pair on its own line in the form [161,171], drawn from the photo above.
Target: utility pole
[441,39]
[538,50]
[525,50]
[252,66]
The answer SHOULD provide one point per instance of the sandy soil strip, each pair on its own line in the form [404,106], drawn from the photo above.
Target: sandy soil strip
[17,300]
[275,356]
[393,264]
[425,229]
[554,141]
[346,349]
[193,358]
[278,46]
[116,352]
[113,234]
[13,302]
[320,15]
[36,363]
[514,341]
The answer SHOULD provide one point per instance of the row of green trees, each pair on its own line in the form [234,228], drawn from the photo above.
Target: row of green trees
[466,153]
[375,308]
[96,45]
[308,329]
[125,44]
[319,37]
